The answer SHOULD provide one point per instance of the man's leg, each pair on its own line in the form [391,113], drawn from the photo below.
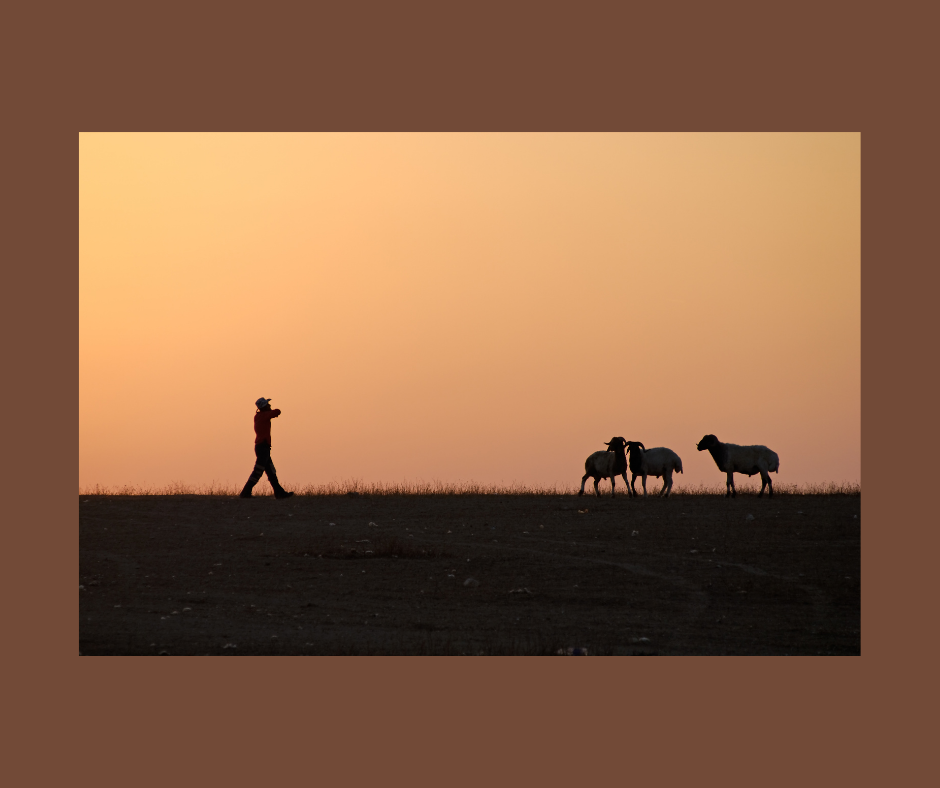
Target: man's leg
[256,473]
[268,464]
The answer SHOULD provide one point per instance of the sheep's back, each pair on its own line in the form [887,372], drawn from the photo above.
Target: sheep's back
[600,462]
[659,459]
[750,459]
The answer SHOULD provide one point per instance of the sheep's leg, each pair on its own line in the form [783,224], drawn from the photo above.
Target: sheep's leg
[624,477]
[667,482]
[583,480]
[764,481]
[730,485]
[633,484]
[613,478]
[644,485]
[596,491]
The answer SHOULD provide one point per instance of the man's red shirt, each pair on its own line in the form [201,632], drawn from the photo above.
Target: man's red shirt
[263,425]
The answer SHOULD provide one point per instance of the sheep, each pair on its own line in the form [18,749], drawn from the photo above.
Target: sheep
[732,459]
[607,465]
[653,462]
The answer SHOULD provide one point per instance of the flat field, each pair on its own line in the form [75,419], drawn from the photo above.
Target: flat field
[469,574]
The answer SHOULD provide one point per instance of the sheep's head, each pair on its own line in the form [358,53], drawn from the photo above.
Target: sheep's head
[615,444]
[707,442]
[631,445]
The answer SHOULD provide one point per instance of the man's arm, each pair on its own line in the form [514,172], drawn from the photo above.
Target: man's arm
[275,413]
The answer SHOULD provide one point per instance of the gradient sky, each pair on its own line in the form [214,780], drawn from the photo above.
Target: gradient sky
[454,307]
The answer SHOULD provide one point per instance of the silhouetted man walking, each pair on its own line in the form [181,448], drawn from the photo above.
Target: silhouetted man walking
[263,462]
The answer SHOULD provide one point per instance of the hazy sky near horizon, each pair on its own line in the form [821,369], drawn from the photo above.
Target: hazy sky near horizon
[455,307]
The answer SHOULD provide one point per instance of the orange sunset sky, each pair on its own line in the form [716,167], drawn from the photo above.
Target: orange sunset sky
[456,307]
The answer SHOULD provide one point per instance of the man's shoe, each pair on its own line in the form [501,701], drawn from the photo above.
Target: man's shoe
[283,494]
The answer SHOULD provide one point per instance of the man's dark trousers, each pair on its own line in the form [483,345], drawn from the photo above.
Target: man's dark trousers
[263,464]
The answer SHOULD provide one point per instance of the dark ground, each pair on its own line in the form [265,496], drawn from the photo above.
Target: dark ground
[686,575]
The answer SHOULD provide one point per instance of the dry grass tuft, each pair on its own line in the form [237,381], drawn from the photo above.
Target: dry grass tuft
[173,488]
[752,488]
[356,487]
[436,487]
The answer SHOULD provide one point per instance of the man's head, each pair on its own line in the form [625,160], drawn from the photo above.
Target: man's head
[263,404]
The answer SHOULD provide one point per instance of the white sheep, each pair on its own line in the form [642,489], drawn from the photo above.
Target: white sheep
[732,459]
[607,465]
[657,462]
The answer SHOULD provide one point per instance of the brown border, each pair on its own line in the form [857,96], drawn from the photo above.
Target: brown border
[416,66]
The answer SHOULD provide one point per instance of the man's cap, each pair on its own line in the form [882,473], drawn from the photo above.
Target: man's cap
[261,401]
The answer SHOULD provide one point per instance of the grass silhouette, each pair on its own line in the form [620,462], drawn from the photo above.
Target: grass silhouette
[356,487]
